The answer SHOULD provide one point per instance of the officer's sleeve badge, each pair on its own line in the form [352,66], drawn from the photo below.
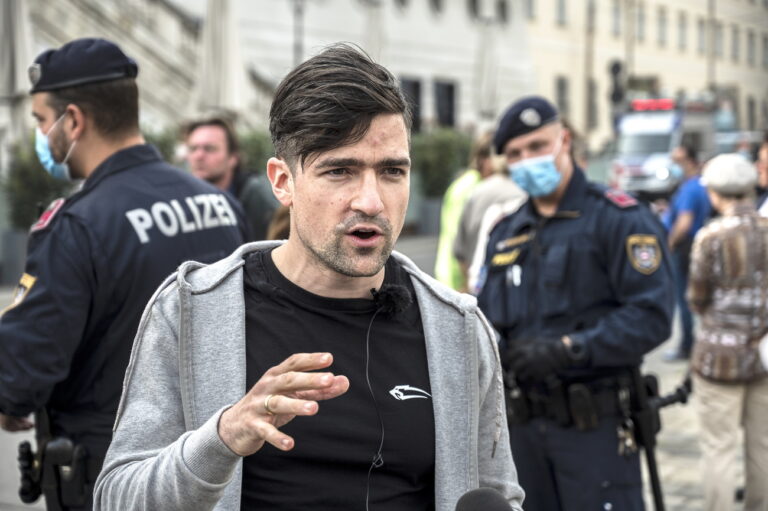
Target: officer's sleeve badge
[22,290]
[47,217]
[620,198]
[644,252]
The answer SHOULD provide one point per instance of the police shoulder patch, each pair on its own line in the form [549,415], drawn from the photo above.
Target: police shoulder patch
[22,290]
[47,217]
[620,198]
[644,252]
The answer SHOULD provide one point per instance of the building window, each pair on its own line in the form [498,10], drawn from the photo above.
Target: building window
[751,114]
[661,35]
[765,113]
[592,112]
[751,48]
[502,11]
[641,22]
[562,15]
[765,51]
[474,9]
[412,91]
[735,43]
[445,103]
[591,16]
[616,18]
[682,31]
[701,36]
[718,39]
[561,95]
[530,9]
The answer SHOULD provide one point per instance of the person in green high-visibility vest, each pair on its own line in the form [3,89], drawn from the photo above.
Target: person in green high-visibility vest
[447,268]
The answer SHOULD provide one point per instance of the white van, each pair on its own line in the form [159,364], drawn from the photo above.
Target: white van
[647,136]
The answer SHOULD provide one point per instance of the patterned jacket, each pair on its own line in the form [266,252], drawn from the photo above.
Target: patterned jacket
[728,287]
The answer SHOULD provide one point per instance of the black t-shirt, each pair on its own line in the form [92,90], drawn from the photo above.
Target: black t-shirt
[334,449]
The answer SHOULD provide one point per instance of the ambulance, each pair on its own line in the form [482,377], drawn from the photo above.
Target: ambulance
[648,133]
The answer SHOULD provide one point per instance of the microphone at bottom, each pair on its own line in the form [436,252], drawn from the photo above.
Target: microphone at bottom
[483,499]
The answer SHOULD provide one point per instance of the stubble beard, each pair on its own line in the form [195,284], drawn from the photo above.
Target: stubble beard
[333,255]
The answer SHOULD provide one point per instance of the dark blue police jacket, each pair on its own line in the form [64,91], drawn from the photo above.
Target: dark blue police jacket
[94,261]
[597,271]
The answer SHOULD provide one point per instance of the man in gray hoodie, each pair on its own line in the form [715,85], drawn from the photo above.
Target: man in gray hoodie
[393,380]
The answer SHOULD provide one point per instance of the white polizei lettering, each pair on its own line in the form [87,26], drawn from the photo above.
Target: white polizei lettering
[221,209]
[230,211]
[186,225]
[164,218]
[209,221]
[195,212]
[141,221]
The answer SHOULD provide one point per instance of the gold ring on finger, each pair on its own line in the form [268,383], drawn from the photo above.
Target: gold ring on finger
[266,405]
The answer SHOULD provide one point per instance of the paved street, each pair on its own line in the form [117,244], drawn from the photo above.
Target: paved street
[677,454]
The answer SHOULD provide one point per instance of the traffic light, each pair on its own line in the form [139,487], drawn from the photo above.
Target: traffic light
[617,87]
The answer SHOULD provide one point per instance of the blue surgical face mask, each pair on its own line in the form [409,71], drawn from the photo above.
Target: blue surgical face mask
[538,176]
[59,170]
[676,171]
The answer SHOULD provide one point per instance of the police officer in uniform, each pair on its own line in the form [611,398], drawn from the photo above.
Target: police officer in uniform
[578,284]
[94,260]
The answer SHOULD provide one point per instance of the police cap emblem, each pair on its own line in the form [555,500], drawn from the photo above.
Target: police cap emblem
[530,117]
[644,252]
[35,72]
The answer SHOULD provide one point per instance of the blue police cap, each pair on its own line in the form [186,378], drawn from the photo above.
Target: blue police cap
[80,62]
[525,115]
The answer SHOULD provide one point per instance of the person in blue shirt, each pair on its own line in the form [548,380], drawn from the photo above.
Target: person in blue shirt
[687,213]
[579,286]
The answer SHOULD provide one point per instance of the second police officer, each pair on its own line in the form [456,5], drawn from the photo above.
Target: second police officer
[94,260]
[578,284]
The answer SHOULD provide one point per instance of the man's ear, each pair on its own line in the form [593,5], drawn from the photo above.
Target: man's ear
[567,137]
[76,121]
[233,160]
[279,174]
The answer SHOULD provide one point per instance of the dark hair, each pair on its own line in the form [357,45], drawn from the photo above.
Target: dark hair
[329,101]
[113,105]
[690,153]
[233,146]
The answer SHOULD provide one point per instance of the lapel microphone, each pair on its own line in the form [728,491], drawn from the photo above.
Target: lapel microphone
[391,299]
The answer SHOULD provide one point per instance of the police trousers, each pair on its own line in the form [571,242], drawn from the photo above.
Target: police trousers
[563,469]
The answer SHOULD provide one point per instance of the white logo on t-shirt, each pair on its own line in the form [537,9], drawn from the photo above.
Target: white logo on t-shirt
[403,392]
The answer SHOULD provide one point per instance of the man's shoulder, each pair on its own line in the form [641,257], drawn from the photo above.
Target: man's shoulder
[692,186]
[616,198]
[436,292]
[204,278]
[493,189]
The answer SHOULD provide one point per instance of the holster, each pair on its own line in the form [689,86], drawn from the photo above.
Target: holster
[64,474]
[582,406]
[517,405]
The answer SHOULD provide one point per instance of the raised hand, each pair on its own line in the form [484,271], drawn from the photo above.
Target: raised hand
[282,393]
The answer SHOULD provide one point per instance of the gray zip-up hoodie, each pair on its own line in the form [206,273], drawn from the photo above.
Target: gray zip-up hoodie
[188,366]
